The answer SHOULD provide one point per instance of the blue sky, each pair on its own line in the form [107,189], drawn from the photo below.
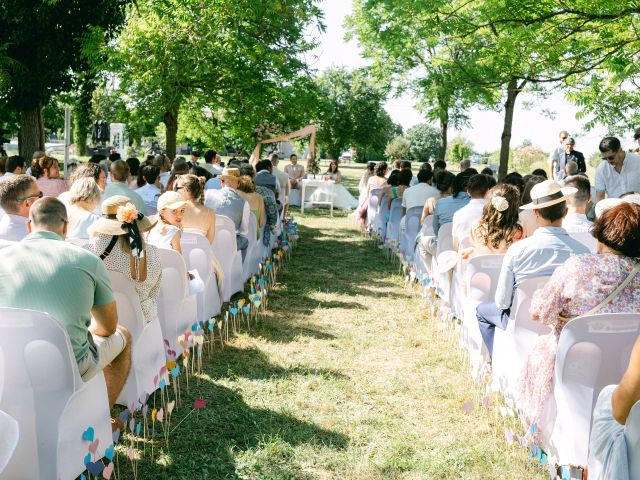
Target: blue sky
[486,127]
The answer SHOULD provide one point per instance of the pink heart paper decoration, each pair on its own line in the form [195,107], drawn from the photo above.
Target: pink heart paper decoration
[467,407]
[108,471]
[93,446]
[160,415]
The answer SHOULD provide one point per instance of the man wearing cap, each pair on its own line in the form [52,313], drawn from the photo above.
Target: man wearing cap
[226,201]
[618,173]
[535,256]
[17,194]
[47,274]
[566,156]
[120,173]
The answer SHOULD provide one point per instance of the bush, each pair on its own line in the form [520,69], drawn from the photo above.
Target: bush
[398,148]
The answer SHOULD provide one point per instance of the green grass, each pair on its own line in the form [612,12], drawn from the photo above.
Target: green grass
[347,377]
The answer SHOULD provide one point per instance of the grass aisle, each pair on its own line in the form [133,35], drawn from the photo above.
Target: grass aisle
[346,378]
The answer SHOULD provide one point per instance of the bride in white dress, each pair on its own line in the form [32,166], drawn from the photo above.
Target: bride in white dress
[342,199]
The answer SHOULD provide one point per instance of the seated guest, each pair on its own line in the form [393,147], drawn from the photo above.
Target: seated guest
[619,172]
[578,205]
[446,207]
[606,282]
[73,286]
[417,195]
[265,178]
[180,167]
[403,182]
[112,237]
[333,172]
[392,181]
[608,449]
[444,183]
[375,182]
[396,164]
[540,173]
[209,163]
[168,229]
[37,155]
[46,170]
[15,165]
[135,170]
[17,194]
[468,215]
[498,227]
[270,206]
[535,256]
[515,179]
[84,197]
[295,172]
[487,171]
[164,164]
[247,190]
[527,217]
[228,202]
[150,192]
[283,178]
[362,186]
[196,217]
[86,170]
[119,185]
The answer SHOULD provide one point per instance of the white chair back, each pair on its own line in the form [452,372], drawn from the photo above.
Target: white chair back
[198,255]
[374,201]
[445,238]
[41,389]
[482,277]
[380,222]
[254,251]
[586,239]
[632,438]
[411,229]
[9,434]
[395,216]
[593,352]
[147,349]
[226,251]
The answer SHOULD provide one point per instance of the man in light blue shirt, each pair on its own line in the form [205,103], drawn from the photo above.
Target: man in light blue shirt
[119,171]
[537,256]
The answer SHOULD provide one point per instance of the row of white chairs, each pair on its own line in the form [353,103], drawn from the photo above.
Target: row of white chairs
[45,407]
[593,351]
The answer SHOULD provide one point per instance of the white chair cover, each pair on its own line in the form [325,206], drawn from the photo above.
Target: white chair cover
[198,255]
[9,434]
[395,216]
[226,251]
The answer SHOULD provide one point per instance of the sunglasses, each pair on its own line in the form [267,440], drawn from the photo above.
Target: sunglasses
[609,159]
[22,199]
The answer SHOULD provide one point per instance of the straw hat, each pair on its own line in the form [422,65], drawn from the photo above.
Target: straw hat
[230,174]
[548,193]
[171,200]
[116,211]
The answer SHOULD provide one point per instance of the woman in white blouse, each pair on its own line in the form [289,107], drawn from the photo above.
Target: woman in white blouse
[84,197]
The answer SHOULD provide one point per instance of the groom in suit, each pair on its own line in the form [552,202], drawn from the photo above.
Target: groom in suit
[228,202]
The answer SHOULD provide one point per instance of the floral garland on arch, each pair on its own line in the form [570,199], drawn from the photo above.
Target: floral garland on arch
[261,130]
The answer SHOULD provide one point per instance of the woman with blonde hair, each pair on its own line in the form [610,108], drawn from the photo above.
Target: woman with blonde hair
[196,217]
[84,197]
[247,190]
[46,170]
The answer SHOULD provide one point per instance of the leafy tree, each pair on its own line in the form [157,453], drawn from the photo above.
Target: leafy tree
[460,149]
[45,42]
[425,142]
[352,113]
[398,148]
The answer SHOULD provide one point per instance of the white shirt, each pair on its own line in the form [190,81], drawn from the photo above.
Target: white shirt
[217,168]
[164,178]
[616,184]
[417,195]
[8,174]
[149,194]
[576,222]
[466,217]
[213,184]
[13,227]
[285,185]
[209,168]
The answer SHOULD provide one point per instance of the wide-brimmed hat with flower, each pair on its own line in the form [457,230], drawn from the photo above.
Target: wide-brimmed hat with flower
[116,212]
[547,193]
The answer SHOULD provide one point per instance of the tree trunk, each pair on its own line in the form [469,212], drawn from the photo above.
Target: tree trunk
[171,124]
[513,89]
[444,126]
[82,117]
[31,132]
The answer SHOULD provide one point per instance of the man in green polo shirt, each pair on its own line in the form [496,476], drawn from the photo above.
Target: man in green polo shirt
[44,273]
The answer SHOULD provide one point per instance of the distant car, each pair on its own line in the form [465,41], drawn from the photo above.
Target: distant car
[476,159]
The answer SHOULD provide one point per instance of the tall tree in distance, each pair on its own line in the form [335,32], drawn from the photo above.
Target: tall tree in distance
[45,44]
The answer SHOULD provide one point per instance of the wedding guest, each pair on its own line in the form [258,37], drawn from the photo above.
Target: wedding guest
[196,217]
[417,195]
[468,215]
[228,202]
[295,172]
[117,238]
[540,173]
[168,229]
[554,157]
[446,207]
[403,180]
[498,227]
[444,183]
[578,205]
[362,185]
[535,256]
[134,169]
[283,179]
[17,194]
[606,282]
[619,172]
[46,170]
[333,172]
[72,285]
[84,197]
[119,171]
[265,178]
[15,165]
[180,167]
[164,164]
[527,217]
[85,170]
[515,179]
[150,192]
[247,189]
[270,206]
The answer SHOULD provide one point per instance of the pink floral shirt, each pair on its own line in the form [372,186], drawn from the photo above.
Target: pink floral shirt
[51,187]
[574,288]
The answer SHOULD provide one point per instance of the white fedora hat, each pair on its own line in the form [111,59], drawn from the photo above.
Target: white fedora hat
[548,193]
